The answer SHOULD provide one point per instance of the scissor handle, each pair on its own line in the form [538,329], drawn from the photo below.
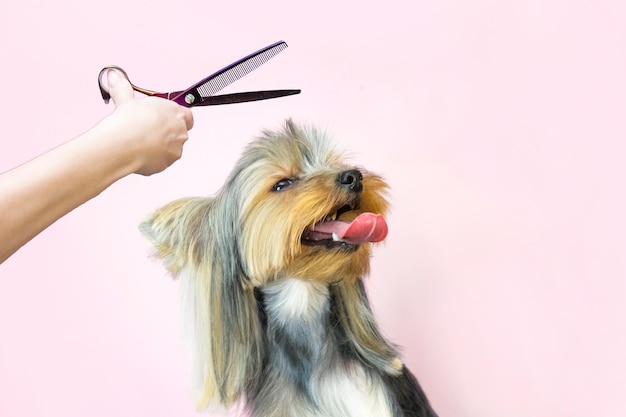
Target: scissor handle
[105,92]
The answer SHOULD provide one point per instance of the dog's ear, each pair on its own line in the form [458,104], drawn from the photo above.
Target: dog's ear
[360,333]
[175,231]
[197,239]
[225,332]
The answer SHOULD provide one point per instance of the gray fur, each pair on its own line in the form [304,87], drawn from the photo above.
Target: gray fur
[286,346]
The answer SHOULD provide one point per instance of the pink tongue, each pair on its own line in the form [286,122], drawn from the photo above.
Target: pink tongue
[367,227]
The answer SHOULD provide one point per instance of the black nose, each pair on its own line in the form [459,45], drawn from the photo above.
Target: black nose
[351,179]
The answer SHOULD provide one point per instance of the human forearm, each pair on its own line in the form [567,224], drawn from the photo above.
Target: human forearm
[37,193]
[141,136]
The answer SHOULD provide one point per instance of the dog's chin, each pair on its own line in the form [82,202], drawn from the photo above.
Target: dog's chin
[331,245]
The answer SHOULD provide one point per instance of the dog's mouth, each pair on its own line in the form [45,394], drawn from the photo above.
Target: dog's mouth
[346,228]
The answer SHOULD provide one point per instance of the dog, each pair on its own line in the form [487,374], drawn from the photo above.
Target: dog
[271,271]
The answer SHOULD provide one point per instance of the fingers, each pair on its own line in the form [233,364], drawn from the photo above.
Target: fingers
[121,91]
[187,117]
[119,87]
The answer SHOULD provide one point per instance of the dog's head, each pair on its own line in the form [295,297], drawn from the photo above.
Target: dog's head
[291,208]
[304,212]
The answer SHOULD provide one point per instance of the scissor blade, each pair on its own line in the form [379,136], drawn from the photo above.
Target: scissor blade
[247,96]
[228,75]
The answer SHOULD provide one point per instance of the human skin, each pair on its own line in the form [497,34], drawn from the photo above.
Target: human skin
[143,136]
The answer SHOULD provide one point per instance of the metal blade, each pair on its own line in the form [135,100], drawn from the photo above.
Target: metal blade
[227,75]
[244,97]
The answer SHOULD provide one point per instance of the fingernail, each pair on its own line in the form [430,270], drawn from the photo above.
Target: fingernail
[113,77]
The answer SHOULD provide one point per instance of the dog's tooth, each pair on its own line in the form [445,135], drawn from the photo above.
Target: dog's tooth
[335,237]
[331,217]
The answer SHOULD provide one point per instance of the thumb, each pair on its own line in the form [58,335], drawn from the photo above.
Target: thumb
[119,87]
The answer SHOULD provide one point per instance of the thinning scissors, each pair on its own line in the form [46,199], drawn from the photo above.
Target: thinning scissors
[203,92]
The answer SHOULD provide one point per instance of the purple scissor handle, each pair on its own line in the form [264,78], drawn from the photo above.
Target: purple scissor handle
[203,92]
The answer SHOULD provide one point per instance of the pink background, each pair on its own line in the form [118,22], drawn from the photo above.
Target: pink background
[500,126]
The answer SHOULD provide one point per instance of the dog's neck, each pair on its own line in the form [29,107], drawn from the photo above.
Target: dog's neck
[295,301]
[305,374]
[299,345]
[296,323]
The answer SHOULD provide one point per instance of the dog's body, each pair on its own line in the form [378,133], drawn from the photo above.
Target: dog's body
[272,271]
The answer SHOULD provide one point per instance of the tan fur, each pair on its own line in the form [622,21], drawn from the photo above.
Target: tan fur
[260,231]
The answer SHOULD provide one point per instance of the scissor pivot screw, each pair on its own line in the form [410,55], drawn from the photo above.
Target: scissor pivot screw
[190,98]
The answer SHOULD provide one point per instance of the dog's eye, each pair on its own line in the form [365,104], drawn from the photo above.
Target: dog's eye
[282,184]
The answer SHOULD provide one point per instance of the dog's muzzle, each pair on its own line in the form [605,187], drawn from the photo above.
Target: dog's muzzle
[333,233]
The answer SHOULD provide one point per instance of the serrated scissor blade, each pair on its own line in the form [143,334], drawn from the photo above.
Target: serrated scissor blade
[227,75]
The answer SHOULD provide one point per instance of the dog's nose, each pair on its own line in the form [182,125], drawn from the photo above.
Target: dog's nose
[351,179]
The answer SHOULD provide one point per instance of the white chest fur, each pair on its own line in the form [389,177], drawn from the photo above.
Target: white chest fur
[337,388]
[290,300]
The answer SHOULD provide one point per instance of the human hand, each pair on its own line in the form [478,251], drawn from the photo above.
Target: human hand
[154,129]
[143,136]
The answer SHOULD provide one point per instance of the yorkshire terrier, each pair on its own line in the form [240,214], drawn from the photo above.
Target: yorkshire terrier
[272,271]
